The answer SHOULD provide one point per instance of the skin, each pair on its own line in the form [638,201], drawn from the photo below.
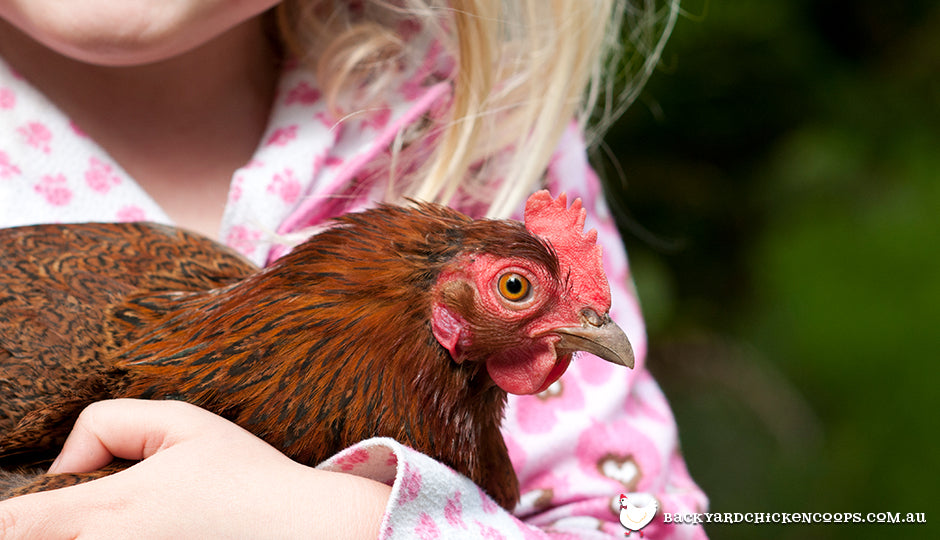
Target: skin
[200,75]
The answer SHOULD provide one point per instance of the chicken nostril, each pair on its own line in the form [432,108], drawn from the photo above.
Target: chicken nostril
[591,317]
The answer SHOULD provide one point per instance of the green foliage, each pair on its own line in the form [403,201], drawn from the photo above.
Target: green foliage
[780,199]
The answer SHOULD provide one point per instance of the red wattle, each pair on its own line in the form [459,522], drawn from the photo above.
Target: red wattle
[560,367]
[527,372]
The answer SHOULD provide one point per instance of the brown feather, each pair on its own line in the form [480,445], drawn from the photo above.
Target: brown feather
[329,346]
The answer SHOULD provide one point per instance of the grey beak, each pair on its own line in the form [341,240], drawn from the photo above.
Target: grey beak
[599,336]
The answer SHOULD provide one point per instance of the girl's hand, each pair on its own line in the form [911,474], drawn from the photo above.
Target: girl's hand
[201,477]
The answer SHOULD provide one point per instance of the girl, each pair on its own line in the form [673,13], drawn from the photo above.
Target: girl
[254,124]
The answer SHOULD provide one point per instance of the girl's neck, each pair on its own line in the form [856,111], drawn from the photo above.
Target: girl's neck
[179,127]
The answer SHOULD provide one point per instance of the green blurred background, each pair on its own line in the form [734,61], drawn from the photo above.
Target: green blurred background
[778,187]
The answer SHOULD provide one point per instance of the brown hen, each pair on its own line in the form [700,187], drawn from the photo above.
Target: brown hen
[410,323]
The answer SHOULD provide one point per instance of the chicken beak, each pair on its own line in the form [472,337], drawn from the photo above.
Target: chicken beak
[597,335]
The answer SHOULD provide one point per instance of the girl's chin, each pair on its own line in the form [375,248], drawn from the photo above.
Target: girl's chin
[127,33]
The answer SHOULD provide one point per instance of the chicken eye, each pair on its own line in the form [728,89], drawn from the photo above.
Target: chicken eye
[513,287]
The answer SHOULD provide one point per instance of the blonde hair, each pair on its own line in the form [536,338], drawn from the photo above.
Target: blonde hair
[524,70]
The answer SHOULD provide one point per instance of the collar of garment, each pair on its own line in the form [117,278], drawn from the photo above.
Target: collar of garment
[306,169]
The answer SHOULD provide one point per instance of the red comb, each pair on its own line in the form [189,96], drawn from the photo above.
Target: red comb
[552,220]
[563,227]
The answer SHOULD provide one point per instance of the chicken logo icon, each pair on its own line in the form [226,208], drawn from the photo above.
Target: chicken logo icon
[636,511]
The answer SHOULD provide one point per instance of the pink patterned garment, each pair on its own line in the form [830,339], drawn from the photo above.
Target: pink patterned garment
[600,431]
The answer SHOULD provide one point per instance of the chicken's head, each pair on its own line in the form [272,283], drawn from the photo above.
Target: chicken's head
[523,300]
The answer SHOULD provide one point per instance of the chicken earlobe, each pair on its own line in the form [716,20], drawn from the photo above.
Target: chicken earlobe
[450,329]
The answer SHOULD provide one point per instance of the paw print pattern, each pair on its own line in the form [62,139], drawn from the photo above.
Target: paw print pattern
[7,168]
[99,176]
[286,186]
[7,98]
[37,135]
[54,190]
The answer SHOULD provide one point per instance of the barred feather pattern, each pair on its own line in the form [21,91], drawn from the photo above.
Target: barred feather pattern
[57,283]
[329,346]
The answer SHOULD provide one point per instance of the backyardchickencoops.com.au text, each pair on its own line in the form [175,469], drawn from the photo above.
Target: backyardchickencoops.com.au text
[795,517]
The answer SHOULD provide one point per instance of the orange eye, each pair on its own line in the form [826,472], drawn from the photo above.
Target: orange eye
[513,287]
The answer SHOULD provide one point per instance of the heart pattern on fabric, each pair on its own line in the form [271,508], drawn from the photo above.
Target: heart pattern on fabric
[623,469]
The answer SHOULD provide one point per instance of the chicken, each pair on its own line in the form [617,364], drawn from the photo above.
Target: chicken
[637,510]
[406,322]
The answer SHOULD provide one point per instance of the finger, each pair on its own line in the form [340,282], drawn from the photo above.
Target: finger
[126,428]
[20,517]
